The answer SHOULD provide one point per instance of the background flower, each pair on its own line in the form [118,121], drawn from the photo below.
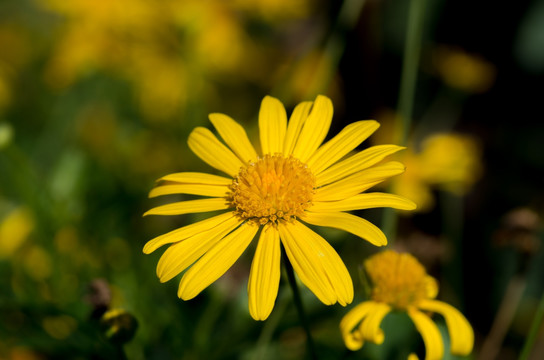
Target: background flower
[400,283]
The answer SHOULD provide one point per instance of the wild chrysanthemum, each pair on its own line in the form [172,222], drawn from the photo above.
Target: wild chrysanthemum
[447,161]
[400,283]
[293,182]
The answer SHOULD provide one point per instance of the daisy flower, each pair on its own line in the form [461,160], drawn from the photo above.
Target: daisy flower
[400,283]
[294,181]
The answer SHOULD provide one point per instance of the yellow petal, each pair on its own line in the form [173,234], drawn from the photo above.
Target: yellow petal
[370,327]
[347,222]
[346,140]
[193,189]
[191,206]
[434,346]
[264,277]
[431,286]
[181,255]
[315,128]
[235,136]
[365,201]
[296,121]
[272,125]
[461,333]
[356,163]
[216,261]
[208,148]
[348,325]
[186,232]
[317,264]
[196,178]
[358,182]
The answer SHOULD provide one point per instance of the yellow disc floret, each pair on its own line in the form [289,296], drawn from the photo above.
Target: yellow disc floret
[274,188]
[399,280]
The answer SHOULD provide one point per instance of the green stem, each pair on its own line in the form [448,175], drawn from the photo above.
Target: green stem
[407,91]
[298,304]
[533,332]
[270,326]
[412,51]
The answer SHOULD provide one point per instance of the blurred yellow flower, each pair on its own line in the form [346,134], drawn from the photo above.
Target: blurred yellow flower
[294,180]
[464,71]
[37,262]
[450,162]
[171,52]
[400,283]
[14,230]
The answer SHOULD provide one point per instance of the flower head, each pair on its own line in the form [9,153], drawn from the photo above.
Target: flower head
[294,181]
[399,282]
[447,161]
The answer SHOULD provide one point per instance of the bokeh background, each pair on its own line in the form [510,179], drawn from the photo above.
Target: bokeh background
[97,99]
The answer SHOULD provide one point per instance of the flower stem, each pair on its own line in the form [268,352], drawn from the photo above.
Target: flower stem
[533,332]
[407,91]
[506,312]
[298,304]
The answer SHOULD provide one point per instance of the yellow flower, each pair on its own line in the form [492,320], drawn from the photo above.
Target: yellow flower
[447,161]
[451,161]
[15,229]
[292,182]
[464,71]
[400,283]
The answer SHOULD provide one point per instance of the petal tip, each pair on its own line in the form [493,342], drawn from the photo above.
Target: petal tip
[147,249]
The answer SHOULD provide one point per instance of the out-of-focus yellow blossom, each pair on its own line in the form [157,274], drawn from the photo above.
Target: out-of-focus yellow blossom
[170,51]
[413,184]
[162,91]
[66,240]
[14,230]
[446,161]
[214,35]
[464,71]
[400,283]
[450,162]
[37,262]
[133,39]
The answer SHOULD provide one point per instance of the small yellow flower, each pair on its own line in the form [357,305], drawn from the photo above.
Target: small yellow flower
[447,161]
[400,283]
[295,180]
[15,229]
[464,71]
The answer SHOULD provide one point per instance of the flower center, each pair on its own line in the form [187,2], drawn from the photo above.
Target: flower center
[399,279]
[271,189]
